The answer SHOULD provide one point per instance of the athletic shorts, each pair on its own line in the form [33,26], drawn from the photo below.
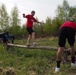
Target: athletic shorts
[66,33]
[30,30]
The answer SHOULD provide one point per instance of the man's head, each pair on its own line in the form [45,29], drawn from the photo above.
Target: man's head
[33,13]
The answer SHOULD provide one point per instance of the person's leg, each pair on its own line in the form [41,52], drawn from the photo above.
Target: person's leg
[28,39]
[71,40]
[61,43]
[72,52]
[59,58]
[34,39]
[12,38]
[59,53]
[5,41]
[12,41]
[30,31]
[33,36]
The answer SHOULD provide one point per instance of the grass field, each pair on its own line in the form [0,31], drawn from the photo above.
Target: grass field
[20,61]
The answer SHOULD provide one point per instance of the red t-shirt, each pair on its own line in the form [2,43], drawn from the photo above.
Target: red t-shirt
[69,24]
[30,20]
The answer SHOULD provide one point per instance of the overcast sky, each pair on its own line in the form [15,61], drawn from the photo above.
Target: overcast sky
[43,8]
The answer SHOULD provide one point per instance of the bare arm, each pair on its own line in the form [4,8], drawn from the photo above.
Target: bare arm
[40,22]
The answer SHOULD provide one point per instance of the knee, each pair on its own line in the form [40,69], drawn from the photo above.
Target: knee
[29,35]
[33,33]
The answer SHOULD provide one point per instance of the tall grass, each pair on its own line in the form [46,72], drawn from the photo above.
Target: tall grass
[20,61]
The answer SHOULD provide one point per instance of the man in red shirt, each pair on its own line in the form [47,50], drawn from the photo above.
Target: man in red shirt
[66,31]
[29,26]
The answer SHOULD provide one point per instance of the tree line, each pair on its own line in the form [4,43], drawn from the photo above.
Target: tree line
[12,22]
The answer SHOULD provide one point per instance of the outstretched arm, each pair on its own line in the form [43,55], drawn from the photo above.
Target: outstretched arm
[40,22]
[35,20]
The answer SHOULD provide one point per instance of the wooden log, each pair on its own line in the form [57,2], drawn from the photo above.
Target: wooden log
[65,55]
[35,47]
[32,47]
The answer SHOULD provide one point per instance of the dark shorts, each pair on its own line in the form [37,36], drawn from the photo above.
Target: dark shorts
[30,30]
[66,33]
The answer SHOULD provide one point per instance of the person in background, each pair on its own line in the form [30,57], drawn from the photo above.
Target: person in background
[66,31]
[3,38]
[29,26]
[10,37]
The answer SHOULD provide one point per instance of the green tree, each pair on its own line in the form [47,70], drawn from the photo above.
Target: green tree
[72,12]
[4,18]
[15,21]
[38,29]
[63,11]
[56,23]
[47,27]
[23,31]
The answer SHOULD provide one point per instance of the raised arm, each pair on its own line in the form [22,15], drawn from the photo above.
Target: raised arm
[24,15]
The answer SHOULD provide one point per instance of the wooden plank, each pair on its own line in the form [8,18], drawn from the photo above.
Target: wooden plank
[33,47]
[36,47]
[65,55]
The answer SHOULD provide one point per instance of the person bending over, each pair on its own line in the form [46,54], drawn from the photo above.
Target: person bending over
[66,31]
